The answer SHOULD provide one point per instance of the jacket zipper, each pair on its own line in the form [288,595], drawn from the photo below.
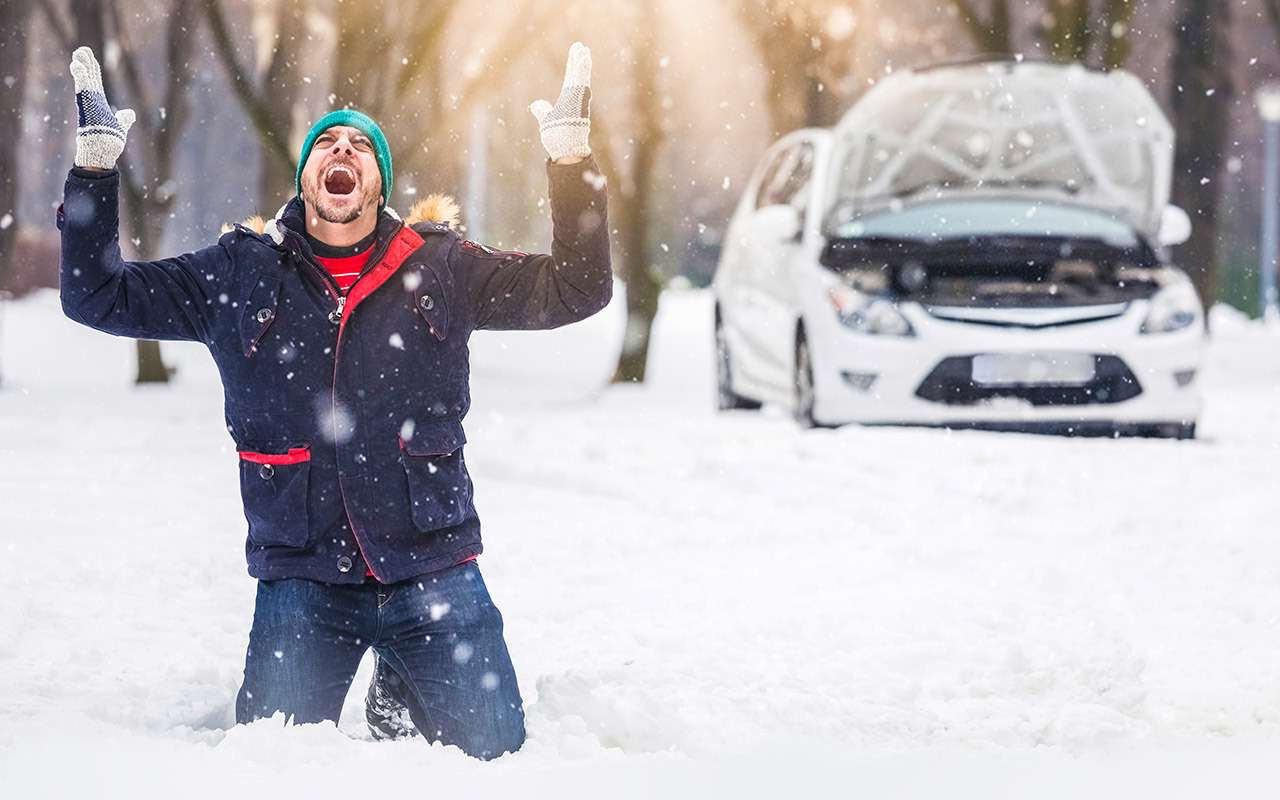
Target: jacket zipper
[337,316]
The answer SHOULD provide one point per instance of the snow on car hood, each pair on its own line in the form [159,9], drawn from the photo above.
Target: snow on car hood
[1008,128]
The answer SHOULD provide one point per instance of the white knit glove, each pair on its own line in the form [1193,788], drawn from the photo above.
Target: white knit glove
[564,127]
[101,131]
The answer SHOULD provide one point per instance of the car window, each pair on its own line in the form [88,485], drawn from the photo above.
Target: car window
[786,182]
[779,164]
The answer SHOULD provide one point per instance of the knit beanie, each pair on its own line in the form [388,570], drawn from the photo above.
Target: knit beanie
[361,122]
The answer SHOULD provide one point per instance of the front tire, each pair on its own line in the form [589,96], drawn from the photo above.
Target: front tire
[726,398]
[802,382]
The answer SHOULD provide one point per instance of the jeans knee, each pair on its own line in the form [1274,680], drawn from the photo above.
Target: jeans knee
[507,739]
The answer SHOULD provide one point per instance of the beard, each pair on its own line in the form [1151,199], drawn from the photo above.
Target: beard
[324,207]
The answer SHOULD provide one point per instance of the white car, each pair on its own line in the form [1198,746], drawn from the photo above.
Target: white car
[980,245]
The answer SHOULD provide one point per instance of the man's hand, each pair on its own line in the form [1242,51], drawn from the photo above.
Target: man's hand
[565,126]
[101,132]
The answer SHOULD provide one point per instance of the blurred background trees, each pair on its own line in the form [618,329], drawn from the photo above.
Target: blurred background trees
[687,95]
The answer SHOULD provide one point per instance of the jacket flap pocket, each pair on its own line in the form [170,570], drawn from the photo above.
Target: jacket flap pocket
[429,300]
[433,437]
[274,487]
[259,312]
[439,489]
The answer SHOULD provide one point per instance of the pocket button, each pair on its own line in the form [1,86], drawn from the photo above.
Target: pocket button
[427,302]
[266,472]
[264,315]
[344,563]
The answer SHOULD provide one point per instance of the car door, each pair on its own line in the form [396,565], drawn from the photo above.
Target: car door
[774,262]
[743,305]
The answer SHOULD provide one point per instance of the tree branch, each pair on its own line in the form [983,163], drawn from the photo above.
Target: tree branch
[425,36]
[258,110]
[1120,12]
[59,28]
[137,87]
[180,74]
[984,34]
[1273,12]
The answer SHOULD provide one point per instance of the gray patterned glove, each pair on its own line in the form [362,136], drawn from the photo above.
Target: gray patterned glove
[564,127]
[101,132]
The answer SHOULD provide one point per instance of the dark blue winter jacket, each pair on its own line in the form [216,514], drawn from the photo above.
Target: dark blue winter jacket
[346,411]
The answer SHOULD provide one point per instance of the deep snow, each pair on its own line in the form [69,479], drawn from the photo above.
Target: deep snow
[696,603]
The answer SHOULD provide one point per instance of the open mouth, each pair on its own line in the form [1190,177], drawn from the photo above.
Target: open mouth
[340,180]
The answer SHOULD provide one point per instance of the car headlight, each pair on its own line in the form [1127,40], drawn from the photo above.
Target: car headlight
[1173,308]
[870,314]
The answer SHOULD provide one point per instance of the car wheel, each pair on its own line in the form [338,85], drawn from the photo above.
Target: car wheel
[726,398]
[805,395]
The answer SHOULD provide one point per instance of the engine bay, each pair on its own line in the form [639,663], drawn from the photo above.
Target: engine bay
[998,273]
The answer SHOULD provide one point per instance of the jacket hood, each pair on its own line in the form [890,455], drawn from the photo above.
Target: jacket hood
[438,208]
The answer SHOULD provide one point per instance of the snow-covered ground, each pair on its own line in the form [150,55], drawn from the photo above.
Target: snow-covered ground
[697,604]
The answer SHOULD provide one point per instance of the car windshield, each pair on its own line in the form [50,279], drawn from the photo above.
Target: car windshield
[964,219]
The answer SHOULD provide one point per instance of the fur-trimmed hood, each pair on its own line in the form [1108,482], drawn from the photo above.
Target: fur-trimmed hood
[438,208]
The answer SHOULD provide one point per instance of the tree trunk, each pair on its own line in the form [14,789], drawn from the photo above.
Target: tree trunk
[282,84]
[1067,31]
[795,93]
[13,73]
[1201,99]
[642,280]
[643,285]
[993,35]
[1119,16]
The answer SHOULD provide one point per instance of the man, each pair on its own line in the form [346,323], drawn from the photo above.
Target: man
[341,336]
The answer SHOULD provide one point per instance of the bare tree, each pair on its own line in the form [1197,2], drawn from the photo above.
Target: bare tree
[632,207]
[1072,27]
[13,83]
[147,165]
[1273,13]
[1201,102]
[270,99]
[1085,31]
[803,57]
[396,74]
[991,32]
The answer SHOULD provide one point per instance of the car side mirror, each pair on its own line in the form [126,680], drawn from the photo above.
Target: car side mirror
[779,223]
[1175,226]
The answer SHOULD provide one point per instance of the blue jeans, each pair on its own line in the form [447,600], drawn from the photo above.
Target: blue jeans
[440,633]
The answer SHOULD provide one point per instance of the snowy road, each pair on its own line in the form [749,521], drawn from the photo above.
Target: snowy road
[695,603]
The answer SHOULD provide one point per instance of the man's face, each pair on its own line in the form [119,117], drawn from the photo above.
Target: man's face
[340,181]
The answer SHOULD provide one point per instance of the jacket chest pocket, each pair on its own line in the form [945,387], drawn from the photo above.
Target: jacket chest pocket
[260,312]
[274,489]
[430,301]
[438,483]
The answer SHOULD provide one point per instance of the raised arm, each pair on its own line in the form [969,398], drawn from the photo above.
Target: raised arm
[520,291]
[168,299]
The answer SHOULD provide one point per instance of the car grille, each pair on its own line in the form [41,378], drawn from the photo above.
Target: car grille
[951,383]
[1029,318]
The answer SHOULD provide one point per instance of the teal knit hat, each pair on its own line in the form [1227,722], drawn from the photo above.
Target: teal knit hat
[364,124]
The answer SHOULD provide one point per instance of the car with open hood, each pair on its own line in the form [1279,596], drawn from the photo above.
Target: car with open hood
[974,245]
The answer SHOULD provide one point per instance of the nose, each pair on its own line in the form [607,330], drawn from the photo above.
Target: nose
[342,145]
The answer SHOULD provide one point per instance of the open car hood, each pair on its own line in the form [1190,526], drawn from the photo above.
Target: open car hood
[1052,131]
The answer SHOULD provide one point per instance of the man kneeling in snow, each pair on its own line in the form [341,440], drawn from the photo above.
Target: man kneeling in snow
[341,336]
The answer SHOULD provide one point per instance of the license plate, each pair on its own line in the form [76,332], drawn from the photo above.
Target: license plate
[1020,369]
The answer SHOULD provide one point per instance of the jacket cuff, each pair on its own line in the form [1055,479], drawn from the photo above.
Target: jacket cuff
[582,178]
[93,174]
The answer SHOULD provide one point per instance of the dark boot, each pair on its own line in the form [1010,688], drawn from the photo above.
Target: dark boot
[385,708]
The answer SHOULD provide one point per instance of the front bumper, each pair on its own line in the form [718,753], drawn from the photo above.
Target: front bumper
[1140,379]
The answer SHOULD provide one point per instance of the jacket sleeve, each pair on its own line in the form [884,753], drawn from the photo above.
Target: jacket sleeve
[509,290]
[167,299]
